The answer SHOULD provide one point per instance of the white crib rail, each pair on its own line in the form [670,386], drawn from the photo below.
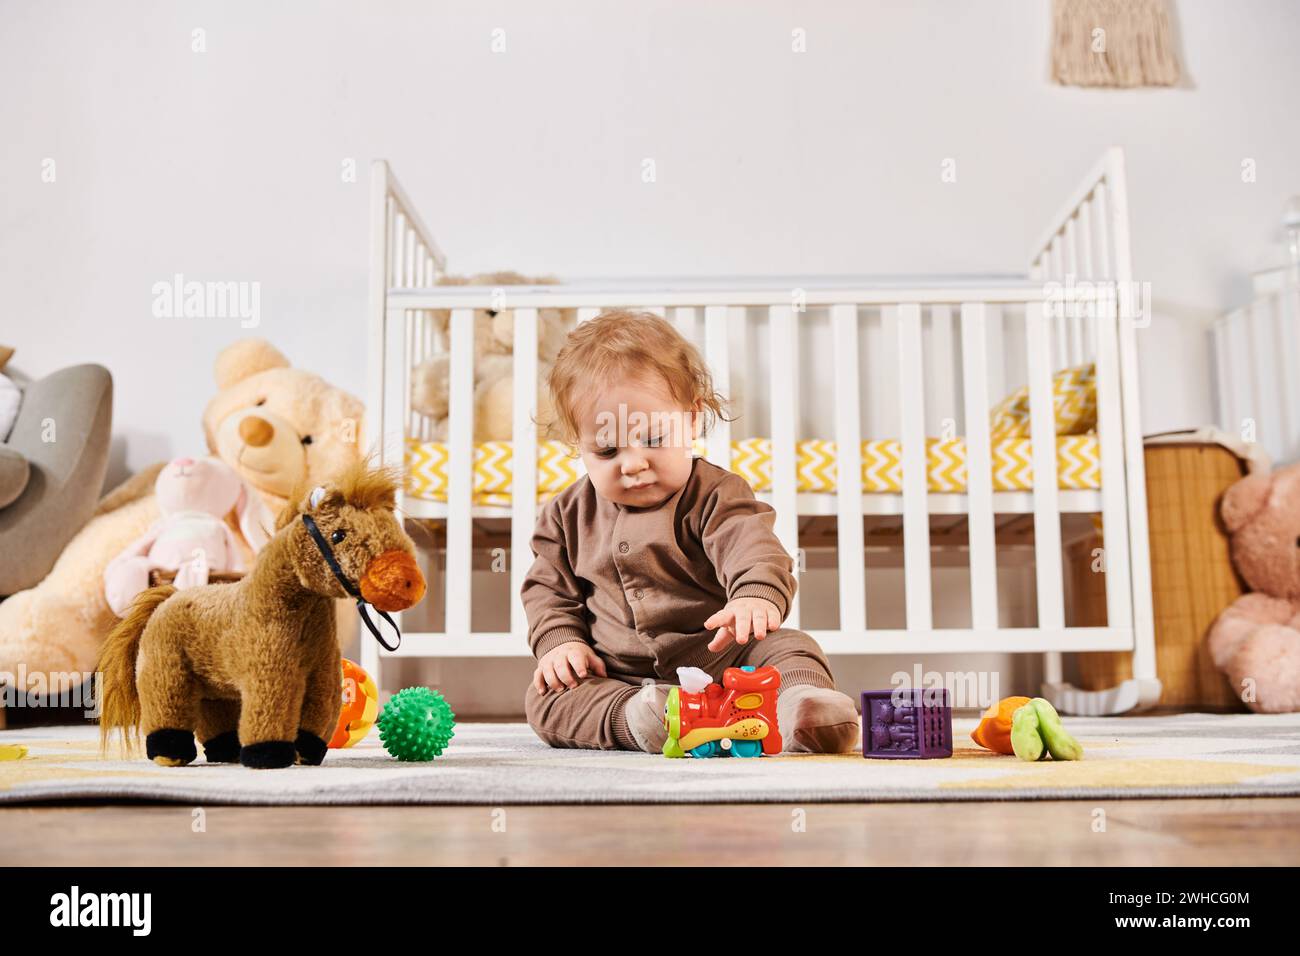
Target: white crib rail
[1092,235]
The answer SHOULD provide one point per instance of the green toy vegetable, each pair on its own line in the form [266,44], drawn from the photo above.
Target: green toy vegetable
[1026,741]
[416,724]
[1036,730]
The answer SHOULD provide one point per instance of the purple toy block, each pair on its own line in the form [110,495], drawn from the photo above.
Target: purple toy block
[913,722]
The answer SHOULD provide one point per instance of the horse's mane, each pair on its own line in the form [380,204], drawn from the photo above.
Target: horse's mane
[364,486]
[361,485]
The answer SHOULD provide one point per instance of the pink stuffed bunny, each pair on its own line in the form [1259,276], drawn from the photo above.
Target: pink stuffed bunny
[192,537]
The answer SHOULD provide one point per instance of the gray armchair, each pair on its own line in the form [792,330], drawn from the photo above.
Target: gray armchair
[52,486]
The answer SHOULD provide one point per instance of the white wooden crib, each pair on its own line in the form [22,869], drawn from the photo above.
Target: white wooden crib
[901,357]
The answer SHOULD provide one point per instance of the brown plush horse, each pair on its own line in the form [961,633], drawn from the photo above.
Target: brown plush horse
[253,667]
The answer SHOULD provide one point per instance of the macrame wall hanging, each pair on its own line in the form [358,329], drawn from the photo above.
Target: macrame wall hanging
[1113,43]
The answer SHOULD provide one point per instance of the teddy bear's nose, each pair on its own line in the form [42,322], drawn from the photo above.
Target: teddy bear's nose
[256,431]
[183,462]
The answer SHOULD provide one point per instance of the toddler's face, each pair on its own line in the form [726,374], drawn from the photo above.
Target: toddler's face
[636,441]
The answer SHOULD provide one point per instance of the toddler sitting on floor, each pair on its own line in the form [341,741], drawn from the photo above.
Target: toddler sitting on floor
[657,559]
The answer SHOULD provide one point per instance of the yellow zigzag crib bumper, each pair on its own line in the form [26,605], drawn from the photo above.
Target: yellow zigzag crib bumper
[1078,466]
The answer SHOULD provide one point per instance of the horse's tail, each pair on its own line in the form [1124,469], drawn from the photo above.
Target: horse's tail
[119,698]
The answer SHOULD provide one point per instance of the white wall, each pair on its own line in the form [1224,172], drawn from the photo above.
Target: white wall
[225,165]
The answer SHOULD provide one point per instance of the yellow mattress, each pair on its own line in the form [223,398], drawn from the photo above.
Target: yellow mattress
[1078,466]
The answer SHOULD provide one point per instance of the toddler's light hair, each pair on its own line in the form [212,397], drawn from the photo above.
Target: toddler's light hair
[621,344]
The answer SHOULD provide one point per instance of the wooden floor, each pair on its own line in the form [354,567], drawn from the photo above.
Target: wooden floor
[1241,832]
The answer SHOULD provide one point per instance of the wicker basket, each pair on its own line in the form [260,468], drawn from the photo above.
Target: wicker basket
[1192,579]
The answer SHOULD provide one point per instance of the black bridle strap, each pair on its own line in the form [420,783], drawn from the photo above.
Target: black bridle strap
[328,554]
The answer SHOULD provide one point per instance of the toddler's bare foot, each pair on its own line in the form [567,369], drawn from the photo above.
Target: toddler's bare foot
[644,712]
[817,720]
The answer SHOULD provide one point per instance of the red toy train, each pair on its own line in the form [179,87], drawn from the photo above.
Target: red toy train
[737,719]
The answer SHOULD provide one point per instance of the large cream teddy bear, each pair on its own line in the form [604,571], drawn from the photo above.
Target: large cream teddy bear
[493,362]
[1256,641]
[277,427]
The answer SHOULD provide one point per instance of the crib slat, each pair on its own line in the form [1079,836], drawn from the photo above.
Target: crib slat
[1101,197]
[523,480]
[1086,237]
[942,370]
[994,355]
[979,470]
[1288,354]
[412,356]
[396,393]
[848,480]
[420,348]
[1114,498]
[717,354]
[1264,365]
[399,248]
[1222,375]
[746,366]
[1243,398]
[1042,430]
[460,473]
[1059,357]
[784,410]
[388,424]
[1060,341]
[1071,249]
[684,317]
[1073,346]
[390,235]
[916,517]
[412,244]
[585,314]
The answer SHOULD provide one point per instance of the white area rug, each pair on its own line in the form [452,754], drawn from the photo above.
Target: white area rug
[1189,755]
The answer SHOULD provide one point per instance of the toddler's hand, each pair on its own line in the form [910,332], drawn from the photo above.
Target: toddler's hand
[566,664]
[739,617]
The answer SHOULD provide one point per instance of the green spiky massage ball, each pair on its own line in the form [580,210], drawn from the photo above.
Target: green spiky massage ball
[416,724]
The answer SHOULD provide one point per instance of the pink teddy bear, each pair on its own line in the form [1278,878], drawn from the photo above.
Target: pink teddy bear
[1256,641]
[192,537]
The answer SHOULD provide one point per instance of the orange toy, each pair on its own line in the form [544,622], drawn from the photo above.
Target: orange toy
[994,730]
[360,707]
